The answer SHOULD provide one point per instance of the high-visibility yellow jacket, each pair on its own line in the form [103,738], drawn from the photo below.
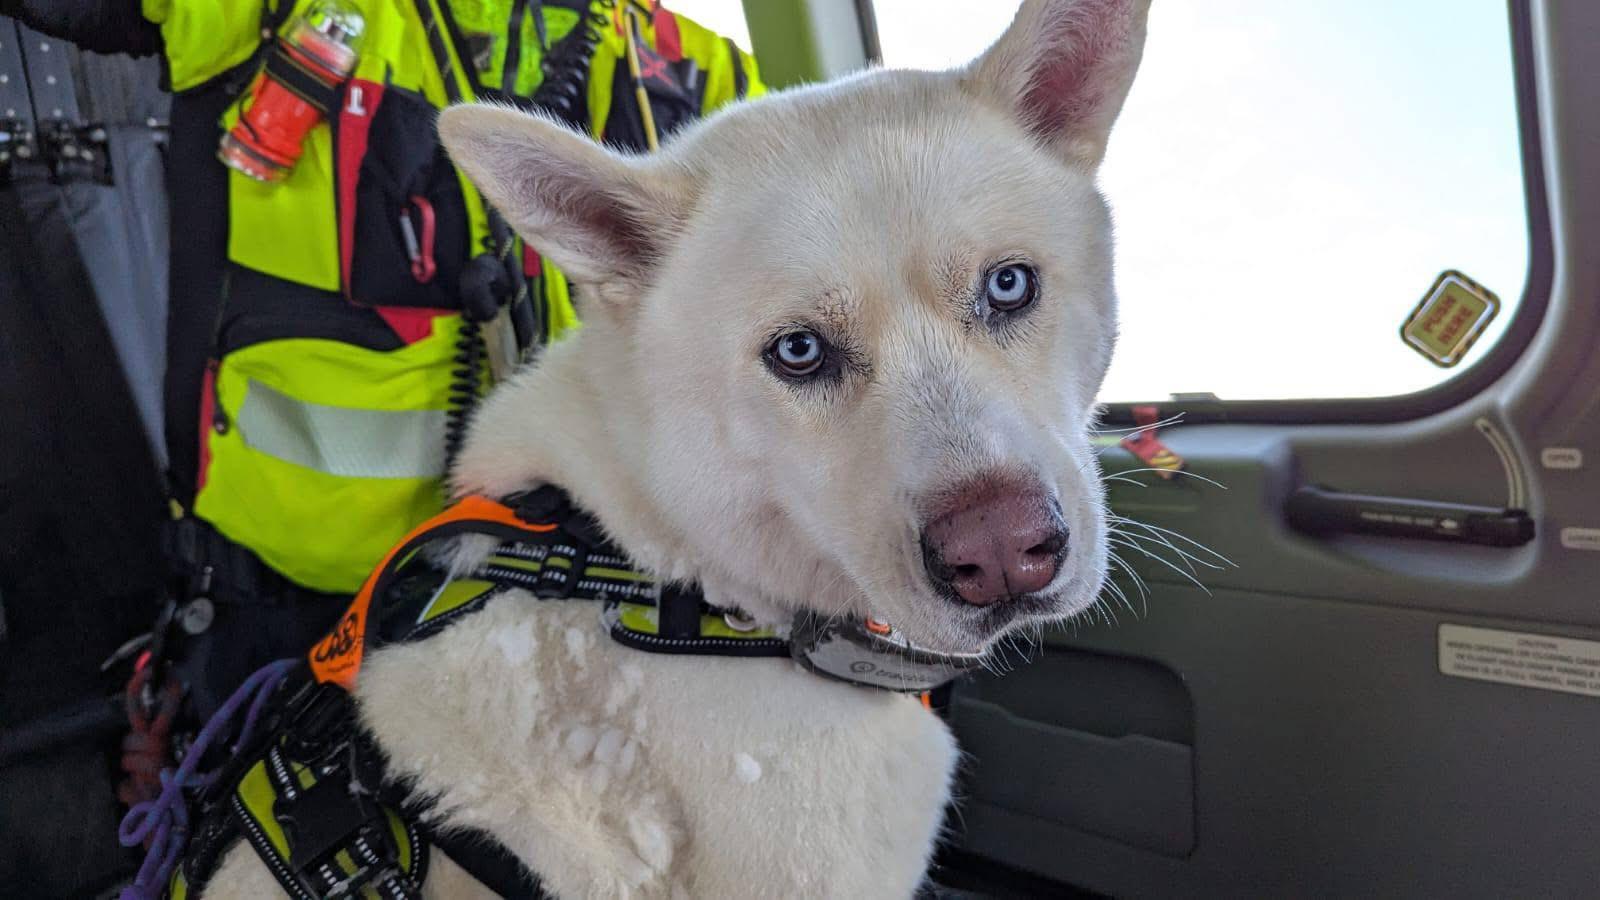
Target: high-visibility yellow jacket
[325,402]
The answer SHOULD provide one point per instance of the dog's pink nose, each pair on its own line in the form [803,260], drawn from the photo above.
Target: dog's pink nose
[990,545]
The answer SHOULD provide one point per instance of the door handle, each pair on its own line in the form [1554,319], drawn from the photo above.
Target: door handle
[1321,512]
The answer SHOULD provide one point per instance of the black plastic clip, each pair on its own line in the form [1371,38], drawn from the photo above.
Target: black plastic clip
[319,723]
[17,146]
[76,153]
[541,505]
[484,288]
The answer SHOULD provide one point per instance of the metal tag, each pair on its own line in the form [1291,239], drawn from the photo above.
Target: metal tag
[1451,316]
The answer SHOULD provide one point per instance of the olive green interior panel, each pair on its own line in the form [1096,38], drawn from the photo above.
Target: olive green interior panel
[799,41]
[781,39]
[1368,714]
[1331,758]
[1128,721]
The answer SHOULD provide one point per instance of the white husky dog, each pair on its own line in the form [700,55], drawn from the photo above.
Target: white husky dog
[840,354]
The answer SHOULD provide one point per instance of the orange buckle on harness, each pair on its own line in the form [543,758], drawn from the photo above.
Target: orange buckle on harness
[337,657]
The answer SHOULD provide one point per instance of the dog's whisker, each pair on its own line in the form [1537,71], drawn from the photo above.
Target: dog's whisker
[1134,545]
[1189,559]
[1187,574]
[1159,532]
[1135,577]
[1116,590]
[1107,613]
[1154,530]
[1198,477]
[1144,604]
[990,661]
[1173,419]
[843,609]
[1138,583]
[1128,542]
[1003,659]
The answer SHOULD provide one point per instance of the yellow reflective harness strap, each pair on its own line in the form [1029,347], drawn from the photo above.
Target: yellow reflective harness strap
[643,619]
[306,804]
[454,595]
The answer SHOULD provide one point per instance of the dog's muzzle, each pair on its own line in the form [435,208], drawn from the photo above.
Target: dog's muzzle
[870,654]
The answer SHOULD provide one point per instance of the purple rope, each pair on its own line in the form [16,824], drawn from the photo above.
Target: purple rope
[263,697]
[167,816]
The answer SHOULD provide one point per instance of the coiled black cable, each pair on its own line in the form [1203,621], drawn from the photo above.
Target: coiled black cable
[484,282]
[489,277]
[566,68]
[466,373]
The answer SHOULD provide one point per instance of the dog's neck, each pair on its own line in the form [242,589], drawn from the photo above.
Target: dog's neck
[562,422]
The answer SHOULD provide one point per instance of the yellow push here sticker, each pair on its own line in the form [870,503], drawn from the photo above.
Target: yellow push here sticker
[1451,316]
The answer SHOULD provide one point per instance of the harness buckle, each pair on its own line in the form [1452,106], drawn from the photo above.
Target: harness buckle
[540,505]
[340,810]
[322,817]
[319,722]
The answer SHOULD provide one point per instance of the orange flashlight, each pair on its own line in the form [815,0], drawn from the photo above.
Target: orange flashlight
[294,91]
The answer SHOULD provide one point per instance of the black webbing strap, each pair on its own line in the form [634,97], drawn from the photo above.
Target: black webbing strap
[741,80]
[441,28]
[274,14]
[513,55]
[304,83]
[677,614]
[759,644]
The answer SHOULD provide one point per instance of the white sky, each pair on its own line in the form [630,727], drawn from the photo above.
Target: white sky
[725,17]
[1287,180]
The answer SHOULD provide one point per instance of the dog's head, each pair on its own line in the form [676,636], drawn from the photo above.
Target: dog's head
[862,325]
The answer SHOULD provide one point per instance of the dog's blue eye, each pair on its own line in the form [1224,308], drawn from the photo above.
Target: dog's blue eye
[798,353]
[1011,287]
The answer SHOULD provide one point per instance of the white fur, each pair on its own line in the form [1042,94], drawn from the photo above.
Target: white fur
[631,775]
[868,210]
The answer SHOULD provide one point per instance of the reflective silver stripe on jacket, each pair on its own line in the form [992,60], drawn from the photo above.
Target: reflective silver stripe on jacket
[342,441]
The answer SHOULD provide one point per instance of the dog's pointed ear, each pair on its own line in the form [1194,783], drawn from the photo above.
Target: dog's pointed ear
[604,218]
[1064,67]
